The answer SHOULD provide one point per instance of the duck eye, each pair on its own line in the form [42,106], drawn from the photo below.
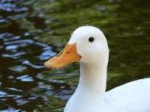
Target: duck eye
[91,39]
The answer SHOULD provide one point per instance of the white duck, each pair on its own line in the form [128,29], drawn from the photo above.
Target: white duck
[88,45]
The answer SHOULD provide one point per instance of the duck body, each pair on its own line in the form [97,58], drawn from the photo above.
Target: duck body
[130,97]
[88,46]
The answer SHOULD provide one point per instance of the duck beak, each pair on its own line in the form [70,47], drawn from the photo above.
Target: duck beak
[65,57]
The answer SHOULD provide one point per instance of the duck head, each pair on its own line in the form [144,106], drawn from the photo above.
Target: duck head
[87,45]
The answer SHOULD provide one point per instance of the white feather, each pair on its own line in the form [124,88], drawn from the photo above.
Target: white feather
[91,95]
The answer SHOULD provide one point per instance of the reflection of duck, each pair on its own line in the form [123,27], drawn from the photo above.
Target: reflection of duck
[88,45]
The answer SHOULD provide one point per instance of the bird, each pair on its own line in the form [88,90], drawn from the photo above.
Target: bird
[88,46]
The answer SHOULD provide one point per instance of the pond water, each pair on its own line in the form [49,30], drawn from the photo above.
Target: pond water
[33,31]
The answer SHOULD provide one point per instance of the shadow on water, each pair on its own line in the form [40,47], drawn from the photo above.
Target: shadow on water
[25,26]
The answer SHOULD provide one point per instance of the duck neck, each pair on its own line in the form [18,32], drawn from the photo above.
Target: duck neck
[92,78]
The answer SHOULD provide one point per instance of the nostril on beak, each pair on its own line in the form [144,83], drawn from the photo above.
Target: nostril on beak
[67,52]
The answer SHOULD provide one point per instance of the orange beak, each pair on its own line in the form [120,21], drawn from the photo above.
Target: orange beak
[67,56]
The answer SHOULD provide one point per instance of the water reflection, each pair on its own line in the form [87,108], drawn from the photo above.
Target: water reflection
[21,58]
[24,83]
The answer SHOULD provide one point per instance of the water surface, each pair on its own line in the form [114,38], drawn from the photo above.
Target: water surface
[33,31]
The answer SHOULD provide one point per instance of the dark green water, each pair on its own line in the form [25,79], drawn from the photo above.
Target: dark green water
[33,31]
